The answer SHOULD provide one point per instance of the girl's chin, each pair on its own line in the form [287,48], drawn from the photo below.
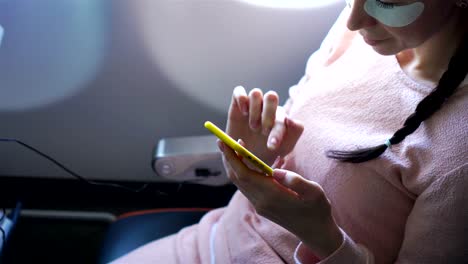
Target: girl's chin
[383,47]
[386,50]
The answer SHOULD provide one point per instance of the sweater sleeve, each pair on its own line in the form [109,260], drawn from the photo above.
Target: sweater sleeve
[349,252]
[436,230]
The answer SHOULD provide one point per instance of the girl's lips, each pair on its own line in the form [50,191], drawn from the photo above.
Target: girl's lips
[372,42]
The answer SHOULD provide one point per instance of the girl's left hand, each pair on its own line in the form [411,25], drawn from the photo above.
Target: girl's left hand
[291,201]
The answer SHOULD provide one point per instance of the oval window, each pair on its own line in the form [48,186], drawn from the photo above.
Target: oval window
[291,3]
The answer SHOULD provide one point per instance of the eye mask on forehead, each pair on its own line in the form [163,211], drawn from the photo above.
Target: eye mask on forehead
[394,16]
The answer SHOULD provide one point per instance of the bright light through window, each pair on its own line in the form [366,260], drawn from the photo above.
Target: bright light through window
[296,4]
[1,34]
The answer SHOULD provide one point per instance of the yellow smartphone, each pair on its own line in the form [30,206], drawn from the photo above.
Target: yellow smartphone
[238,148]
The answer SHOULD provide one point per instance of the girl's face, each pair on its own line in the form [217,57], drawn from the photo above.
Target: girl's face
[390,26]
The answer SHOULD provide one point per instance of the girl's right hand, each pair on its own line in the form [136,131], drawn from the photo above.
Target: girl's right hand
[262,125]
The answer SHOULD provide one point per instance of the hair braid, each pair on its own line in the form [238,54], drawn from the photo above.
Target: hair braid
[450,80]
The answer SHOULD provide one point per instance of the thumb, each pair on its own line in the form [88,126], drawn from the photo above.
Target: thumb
[294,130]
[294,182]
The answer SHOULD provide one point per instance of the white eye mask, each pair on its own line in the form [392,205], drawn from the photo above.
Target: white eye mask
[394,15]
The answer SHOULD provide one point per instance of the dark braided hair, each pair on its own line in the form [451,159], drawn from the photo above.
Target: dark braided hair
[450,80]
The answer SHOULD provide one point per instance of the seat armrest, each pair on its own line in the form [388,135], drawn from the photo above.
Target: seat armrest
[194,159]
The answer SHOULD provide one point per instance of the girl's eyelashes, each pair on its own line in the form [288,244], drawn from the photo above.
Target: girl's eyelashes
[379,3]
[384,5]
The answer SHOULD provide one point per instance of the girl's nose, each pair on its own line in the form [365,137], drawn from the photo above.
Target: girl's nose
[358,17]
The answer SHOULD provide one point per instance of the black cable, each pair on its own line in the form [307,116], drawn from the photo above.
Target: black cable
[109,184]
[73,173]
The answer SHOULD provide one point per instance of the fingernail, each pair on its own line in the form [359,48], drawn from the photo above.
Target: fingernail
[254,125]
[276,162]
[272,142]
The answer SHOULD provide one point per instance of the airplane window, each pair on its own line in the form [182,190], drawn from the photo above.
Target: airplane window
[205,48]
[291,3]
[51,51]
[1,34]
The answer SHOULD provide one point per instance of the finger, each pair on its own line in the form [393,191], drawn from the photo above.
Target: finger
[242,143]
[270,104]
[294,129]
[279,161]
[256,188]
[231,173]
[244,176]
[247,162]
[304,188]
[239,103]
[242,100]
[278,131]
[255,108]
[234,162]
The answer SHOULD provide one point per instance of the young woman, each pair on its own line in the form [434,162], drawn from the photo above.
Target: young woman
[371,151]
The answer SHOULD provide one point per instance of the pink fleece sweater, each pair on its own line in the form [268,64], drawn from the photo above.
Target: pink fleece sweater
[408,206]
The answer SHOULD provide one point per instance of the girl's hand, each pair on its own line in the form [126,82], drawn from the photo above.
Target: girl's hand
[264,126]
[295,203]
